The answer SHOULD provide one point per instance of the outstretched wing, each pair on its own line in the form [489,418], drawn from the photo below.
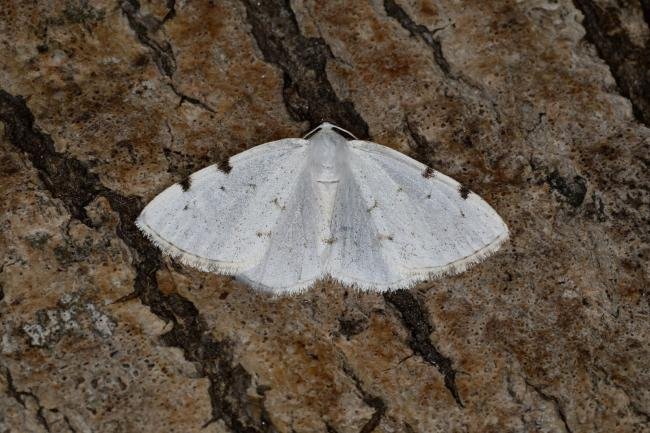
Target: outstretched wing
[398,222]
[223,217]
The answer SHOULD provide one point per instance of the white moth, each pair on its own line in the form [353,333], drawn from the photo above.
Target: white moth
[282,215]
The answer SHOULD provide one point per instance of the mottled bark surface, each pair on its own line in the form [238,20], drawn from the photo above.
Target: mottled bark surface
[541,107]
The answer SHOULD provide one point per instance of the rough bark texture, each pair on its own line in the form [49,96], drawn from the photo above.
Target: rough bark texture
[541,107]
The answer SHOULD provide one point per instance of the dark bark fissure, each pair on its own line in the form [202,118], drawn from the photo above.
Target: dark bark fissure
[19,396]
[161,52]
[190,99]
[628,63]
[645,6]
[70,181]
[308,94]
[67,422]
[423,149]
[396,12]
[330,429]
[171,11]
[66,178]
[371,400]
[12,391]
[416,320]
[558,407]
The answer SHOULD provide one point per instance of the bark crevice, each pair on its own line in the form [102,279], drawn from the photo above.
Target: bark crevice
[416,319]
[69,180]
[161,51]
[308,94]
[421,32]
[396,12]
[556,403]
[628,63]
[19,397]
[376,402]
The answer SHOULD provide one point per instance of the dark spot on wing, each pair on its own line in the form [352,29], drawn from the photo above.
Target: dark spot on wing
[224,165]
[222,188]
[185,207]
[276,202]
[186,183]
[428,172]
[463,191]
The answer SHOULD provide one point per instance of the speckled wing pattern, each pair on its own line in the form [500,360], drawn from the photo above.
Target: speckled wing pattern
[221,218]
[399,222]
[285,214]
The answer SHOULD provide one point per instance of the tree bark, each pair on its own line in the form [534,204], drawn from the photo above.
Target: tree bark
[540,107]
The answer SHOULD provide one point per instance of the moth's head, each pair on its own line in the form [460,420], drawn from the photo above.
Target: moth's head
[329,130]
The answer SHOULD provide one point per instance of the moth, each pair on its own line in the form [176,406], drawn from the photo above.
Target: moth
[285,214]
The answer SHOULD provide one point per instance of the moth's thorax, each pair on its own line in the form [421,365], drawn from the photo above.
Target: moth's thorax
[327,155]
